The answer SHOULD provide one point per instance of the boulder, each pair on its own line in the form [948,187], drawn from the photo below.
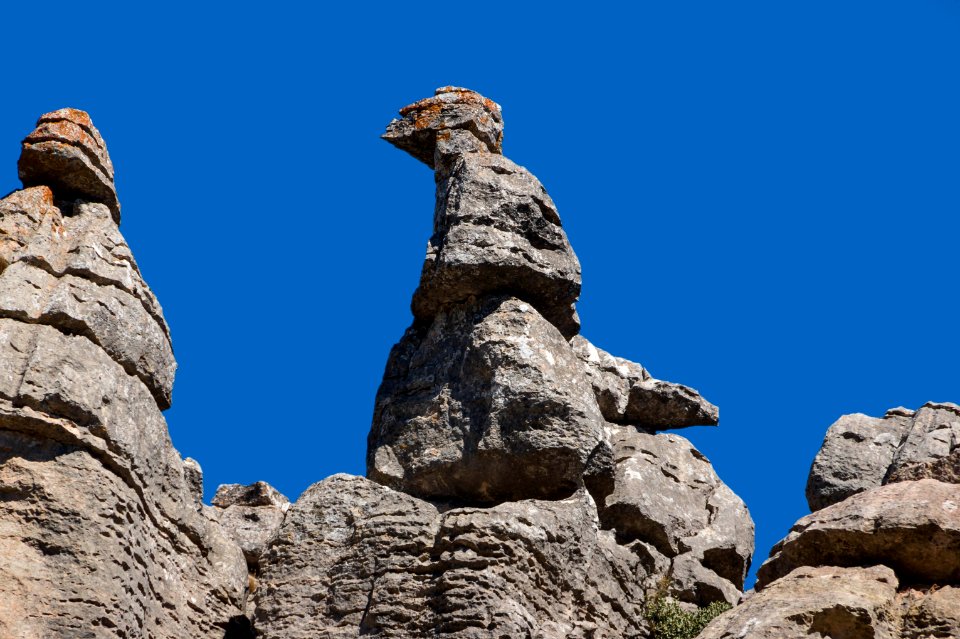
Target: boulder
[356,558]
[250,515]
[627,394]
[497,231]
[829,601]
[485,405]
[66,153]
[912,527]
[666,494]
[861,452]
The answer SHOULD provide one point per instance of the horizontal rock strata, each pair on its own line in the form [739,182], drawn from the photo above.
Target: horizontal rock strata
[101,523]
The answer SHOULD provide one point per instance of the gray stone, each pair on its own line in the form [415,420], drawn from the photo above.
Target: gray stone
[66,153]
[455,119]
[250,515]
[110,317]
[486,404]
[840,603]
[912,527]
[98,517]
[86,244]
[497,231]
[667,494]
[861,452]
[627,394]
[355,558]
[193,475]
[856,454]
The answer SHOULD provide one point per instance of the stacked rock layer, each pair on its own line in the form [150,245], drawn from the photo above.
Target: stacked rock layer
[880,555]
[102,531]
[517,486]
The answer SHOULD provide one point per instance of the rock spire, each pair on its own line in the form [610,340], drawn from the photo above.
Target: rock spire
[516,482]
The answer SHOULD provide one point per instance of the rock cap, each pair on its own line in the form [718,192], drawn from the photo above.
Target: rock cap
[67,153]
[456,119]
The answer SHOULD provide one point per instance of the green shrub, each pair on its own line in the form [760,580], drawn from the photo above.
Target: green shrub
[669,621]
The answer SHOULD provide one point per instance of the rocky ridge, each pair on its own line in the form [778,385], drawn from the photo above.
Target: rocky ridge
[880,555]
[517,482]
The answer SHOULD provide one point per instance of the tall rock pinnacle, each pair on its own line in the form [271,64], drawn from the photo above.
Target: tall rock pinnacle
[516,486]
[102,531]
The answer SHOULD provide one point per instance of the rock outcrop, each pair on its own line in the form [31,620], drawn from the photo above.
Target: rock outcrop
[880,556]
[101,529]
[861,452]
[517,486]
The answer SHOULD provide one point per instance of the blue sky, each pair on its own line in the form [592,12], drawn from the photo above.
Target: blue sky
[763,196]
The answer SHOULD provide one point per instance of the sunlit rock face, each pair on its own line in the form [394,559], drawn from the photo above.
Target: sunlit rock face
[517,486]
[101,528]
[880,555]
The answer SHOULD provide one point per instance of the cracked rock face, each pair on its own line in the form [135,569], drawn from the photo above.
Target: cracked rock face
[101,528]
[356,558]
[484,406]
[667,495]
[861,452]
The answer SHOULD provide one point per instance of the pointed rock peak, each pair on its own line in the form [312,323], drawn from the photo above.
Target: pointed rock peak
[66,153]
[454,120]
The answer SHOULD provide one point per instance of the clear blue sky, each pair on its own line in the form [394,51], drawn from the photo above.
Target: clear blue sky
[764,197]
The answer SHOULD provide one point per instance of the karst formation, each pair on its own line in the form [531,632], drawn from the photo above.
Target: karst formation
[521,482]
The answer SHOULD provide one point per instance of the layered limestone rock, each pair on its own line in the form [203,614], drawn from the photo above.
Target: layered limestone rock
[251,516]
[354,557]
[881,557]
[517,486]
[101,529]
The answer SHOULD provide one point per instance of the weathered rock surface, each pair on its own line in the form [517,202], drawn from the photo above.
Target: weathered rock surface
[840,603]
[483,406]
[250,515]
[667,495]
[627,394]
[355,558]
[66,153]
[912,527]
[497,231]
[861,452]
[101,527]
[452,113]
[85,254]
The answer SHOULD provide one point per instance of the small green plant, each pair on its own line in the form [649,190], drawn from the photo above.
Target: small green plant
[669,621]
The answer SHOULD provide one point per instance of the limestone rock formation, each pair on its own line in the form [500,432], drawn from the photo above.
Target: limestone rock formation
[861,452]
[881,557]
[101,532]
[250,515]
[484,406]
[667,495]
[354,558]
[519,488]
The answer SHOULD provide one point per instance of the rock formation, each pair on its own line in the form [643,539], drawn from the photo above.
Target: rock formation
[101,528]
[880,556]
[516,485]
